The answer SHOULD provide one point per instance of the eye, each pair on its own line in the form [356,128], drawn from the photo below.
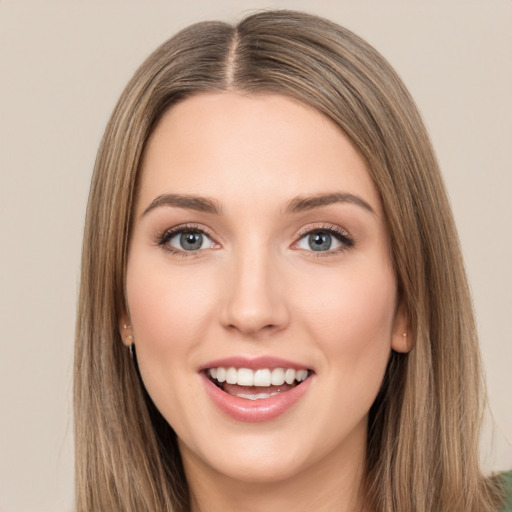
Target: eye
[324,240]
[186,239]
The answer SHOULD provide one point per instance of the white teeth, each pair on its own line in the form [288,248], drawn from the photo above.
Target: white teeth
[263,377]
[231,376]
[221,374]
[277,378]
[301,375]
[289,376]
[245,377]
[256,396]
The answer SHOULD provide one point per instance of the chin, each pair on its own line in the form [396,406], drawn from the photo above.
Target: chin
[261,458]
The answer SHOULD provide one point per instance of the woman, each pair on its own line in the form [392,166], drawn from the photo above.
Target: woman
[273,309]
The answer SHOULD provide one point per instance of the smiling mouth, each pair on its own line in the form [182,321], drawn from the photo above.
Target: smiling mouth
[256,384]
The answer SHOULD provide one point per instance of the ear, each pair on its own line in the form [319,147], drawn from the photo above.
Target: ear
[401,340]
[125,330]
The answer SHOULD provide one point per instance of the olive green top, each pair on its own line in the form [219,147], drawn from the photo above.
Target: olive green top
[506,479]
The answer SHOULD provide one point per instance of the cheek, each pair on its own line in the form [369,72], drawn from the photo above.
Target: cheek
[353,325]
[168,310]
[353,316]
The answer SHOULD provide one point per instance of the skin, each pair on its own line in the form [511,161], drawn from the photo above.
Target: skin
[257,288]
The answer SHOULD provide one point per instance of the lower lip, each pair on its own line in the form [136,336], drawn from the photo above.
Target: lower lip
[255,411]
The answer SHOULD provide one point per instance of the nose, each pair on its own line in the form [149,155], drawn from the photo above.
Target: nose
[254,295]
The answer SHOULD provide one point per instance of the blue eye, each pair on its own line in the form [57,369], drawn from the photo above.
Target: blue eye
[186,240]
[189,241]
[320,241]
[324,240]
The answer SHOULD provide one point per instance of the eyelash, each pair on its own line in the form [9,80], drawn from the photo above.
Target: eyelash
[163,239]
[341,235]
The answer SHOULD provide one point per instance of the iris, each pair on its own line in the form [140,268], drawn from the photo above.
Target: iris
[191,241]
[320,241]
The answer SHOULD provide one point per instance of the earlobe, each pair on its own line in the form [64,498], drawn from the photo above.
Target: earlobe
[401,339]
[125,330]
[401,342]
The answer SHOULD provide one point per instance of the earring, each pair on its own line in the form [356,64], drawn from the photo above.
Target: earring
[128,341]
[131,346]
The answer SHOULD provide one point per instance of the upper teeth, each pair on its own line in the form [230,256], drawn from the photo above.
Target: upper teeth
[262,378]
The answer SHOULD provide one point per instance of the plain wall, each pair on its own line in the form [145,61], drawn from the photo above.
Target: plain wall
[62,67]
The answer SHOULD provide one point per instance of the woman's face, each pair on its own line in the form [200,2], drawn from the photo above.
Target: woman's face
[259,255]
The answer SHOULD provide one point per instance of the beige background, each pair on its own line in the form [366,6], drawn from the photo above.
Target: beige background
[62,67]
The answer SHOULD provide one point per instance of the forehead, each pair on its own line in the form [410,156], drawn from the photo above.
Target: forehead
[246,148]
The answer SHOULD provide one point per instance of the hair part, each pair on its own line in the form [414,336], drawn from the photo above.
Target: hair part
[422,452]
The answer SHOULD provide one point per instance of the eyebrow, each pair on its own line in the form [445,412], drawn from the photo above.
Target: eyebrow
[305,203]
[197,203]
[296,205]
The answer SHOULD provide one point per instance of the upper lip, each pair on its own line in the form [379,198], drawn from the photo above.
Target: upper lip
[254,363]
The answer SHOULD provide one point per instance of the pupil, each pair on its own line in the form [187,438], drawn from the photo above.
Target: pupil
[320,241]
[191,241]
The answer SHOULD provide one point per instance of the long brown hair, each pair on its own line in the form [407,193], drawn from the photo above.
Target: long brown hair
[423,429]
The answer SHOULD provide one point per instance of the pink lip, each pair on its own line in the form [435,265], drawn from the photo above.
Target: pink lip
[255,411]
[253,363]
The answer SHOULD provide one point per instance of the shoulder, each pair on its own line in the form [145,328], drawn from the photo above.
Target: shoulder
[506,482]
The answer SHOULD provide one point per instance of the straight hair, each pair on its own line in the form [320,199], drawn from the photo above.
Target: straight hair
[422,449]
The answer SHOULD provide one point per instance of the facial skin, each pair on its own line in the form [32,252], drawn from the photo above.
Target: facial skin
[256,288]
